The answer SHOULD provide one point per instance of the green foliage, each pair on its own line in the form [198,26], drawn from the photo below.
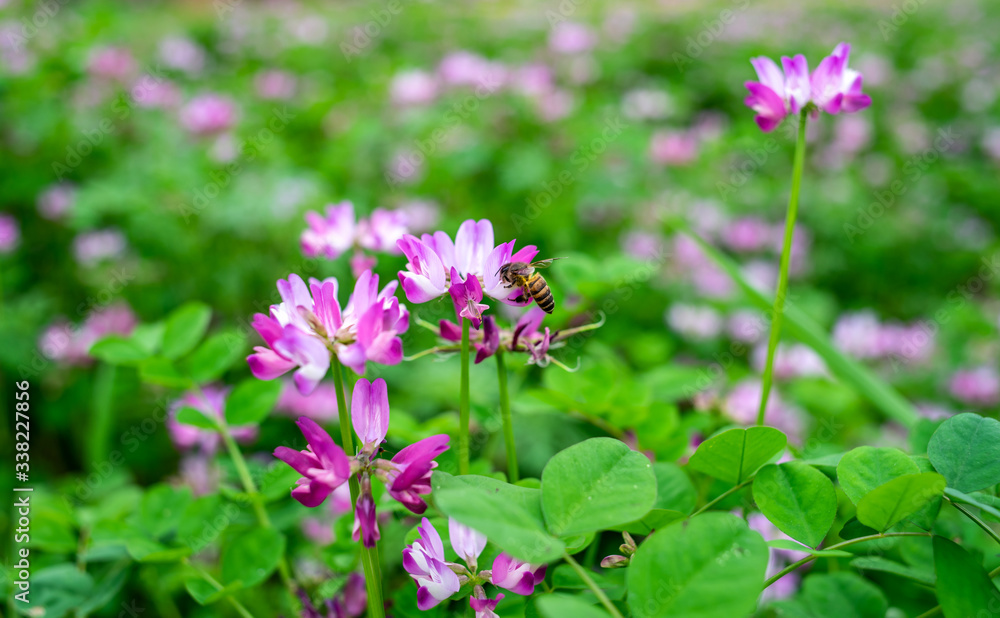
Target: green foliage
[891,502]
[966,450]
[963,586]
[735,454]
[865,468]
[798,499]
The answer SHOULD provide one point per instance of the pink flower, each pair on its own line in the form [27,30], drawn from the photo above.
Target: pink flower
[776,94]
[747,234]
[365,521]
[89,248]
[571,38]
[370,413]
[979,386]
[332,235]
[424,562]
[673,148]
[432,260]
[274,85]
[790,361]
[554,105]
[182,54]
[111,63]
[70,344]
[482,604]
[208,114]
[320,405]
[858,334]
[464,68]
[694,322]
[409,476]
[323,465]
[466,542]
[155,94]
[211,402]
[320,529]
[412,88]
[10,233]
[382,230]
[57,200]
[467,296]
[516,576]
[836,88]
[533,80]
[309,324]
[743,402]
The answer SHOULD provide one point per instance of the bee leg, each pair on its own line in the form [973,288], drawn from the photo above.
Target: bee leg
[522,298]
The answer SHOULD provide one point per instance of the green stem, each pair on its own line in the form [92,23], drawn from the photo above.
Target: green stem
[463,410]
[934,611]
[100,429]
[240,608]
[603,598]
[786,253]
[788,569]
[513,473]
[979,522]
[369,555]
[721,497]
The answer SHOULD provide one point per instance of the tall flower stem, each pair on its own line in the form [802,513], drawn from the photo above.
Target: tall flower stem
[513,473]
[603,598]
[369,555]
[786,253]
[463,403]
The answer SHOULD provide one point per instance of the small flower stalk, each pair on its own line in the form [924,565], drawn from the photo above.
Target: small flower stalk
[627,549]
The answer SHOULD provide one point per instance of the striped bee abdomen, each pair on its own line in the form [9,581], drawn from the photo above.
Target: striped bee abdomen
[540,291]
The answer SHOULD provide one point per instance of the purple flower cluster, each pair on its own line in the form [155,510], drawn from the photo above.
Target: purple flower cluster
[438,579]
[332,235]
[70,344]
[832,87]
[309,325]
[325,467]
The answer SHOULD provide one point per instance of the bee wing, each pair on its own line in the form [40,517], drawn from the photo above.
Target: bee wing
[545,263]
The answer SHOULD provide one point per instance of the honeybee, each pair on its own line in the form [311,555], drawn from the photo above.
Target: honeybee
[523,275]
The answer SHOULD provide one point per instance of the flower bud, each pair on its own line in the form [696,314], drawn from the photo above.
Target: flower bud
[615,562]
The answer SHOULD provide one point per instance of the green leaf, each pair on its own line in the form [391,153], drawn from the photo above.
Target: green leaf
[193,416]
[799,326]
[964,588]
[980,501]
[733,455]
[528,498]
[563,605]
[118,350]
[55,590]
[149,336]
[611,581]
[161,371]
[889,504]
[594,485]
[204,520]
[966,450]
[185,328]
[148,550]
[674,489]
[878,563]
[205,593]
[162,508]
[826,595]
[214,356]
[799,499]
[251,557]
[510,526]
[865,468]
[710,566]
[794,546]
[653,520]
[251,401]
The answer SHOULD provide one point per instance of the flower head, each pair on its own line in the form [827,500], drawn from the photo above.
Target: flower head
[836,88]
[208,114]
[424,561]
[516,576]
[323,465]
[365,520]
[482,604]
[466,542]
[410,473]
[309,324]
[370,412]
[210,401]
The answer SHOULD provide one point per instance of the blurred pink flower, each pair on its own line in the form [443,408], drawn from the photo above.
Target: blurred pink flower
[421,215]
[694,322]
[790,361]
[554,105]
[89,248]
[646,104]
[747,235]
[10,233]
[320,529]
[413,87]
[382,230]
[464,68]
[320,405]
[208,114]
[331,235]
[56,200]
[210,401]
[979,386]
[275,85]
[674,148]
[569,37]
[746,326]
[834,87]
[532,80]
[743,402]
[778,559]
[858,334]
[70,344]
[643,245]
[111,63]
[777,94]
[198,472]
[182,54]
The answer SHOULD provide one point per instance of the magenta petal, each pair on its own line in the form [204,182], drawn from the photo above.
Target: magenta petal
[268,327]
[766,124]
[266,364]
[473,243]
[330,455]
[301,461]
[419,289]
[768,73]
[311,493]
[370,411]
